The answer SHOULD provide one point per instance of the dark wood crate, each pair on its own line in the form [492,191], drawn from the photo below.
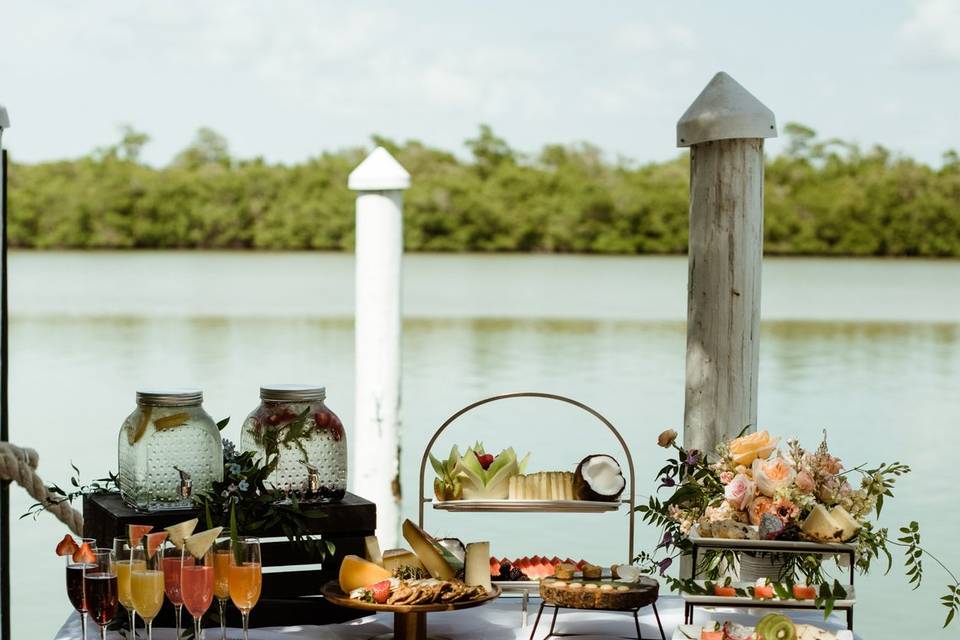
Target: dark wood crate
[291,581]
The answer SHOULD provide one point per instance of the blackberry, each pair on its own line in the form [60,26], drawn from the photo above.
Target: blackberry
[505,570]
[517,574]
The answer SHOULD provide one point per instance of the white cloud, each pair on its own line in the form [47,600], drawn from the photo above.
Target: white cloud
[931,34]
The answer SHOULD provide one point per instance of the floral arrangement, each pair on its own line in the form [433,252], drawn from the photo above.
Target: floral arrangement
[751,488]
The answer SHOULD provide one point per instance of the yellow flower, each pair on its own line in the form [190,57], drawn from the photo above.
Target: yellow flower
[667,438]
[745,449]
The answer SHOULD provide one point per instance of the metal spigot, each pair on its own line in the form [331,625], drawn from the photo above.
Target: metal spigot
[186,484]
[313,479]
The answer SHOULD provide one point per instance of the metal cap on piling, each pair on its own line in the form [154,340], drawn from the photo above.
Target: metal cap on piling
[725,110]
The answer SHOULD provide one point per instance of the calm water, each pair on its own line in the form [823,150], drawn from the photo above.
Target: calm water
[868,349]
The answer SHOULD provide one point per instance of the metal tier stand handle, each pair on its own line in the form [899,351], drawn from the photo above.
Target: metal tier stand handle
[547,396]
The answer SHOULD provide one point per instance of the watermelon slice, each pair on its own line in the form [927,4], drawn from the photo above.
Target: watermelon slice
[199,543]
[136,533]
[153,542]
[179,532]
[84,554]
[67,546]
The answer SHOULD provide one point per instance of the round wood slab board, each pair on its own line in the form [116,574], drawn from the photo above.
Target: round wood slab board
[332,592]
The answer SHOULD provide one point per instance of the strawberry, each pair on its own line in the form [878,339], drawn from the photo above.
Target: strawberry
[381,591]
[67,546]
[727,592]
[485,459]
[84,554]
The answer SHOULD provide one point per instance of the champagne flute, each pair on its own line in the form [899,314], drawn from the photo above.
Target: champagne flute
[75,592]
[196,587]
[221,580]
[174,558]
[100,589]
[146,584]
[122,551]
[245,577]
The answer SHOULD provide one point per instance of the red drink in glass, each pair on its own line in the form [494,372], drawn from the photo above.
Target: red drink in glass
[171,577]
[197,589]
[101,593]
[75,585]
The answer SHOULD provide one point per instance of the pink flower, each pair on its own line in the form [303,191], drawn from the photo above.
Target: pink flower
[726,477]
[805,482]
[772,475]
[740,491]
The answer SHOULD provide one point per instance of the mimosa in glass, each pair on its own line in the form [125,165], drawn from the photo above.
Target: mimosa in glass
[221,580]
[196,583]
[174,558]
[122,563]
[146,585]
[245,577]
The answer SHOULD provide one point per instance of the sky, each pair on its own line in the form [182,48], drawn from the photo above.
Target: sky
[288,79]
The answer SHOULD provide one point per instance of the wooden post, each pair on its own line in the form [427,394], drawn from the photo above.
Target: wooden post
[375,459]
[724,128]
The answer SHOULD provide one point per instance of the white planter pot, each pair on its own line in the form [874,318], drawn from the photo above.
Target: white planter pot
[765,565]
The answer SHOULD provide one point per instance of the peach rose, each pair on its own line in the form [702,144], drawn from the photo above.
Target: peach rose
[804,482]
[745,449]
[771,475]
[726,477]
[759,506]
[667,438]
[740,491]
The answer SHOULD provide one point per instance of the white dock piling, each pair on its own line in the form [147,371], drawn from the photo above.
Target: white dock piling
[375,465]
[724,128]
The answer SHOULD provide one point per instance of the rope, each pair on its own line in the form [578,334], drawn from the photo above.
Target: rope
[19,465]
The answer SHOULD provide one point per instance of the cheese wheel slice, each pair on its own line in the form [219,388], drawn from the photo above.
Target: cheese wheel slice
[355,572]
[427,552]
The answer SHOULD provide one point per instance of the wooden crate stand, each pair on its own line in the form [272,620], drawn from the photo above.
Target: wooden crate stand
[292,577]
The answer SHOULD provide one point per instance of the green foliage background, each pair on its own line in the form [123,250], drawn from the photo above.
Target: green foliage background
[823,197]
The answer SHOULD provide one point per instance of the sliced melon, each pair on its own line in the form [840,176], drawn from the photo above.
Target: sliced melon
[179,532]
[427,552]
[199,543]
[355,572]
[372,548]
[846,521]
[821,525]
[136,533]
[154,540]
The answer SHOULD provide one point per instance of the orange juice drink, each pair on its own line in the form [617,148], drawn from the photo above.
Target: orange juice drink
[123,581]
[221,573]
[146,591]
[245,583]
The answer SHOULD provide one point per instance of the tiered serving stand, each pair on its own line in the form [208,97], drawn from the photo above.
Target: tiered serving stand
[700,543]
[524,588]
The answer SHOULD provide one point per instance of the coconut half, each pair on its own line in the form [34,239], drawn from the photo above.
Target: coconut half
[599,478]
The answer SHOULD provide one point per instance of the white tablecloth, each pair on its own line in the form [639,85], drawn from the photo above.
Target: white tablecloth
[500,620]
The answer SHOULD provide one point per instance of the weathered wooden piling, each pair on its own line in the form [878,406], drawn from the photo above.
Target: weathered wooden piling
[724,128]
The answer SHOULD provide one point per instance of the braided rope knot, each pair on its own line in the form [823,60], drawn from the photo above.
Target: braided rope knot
[19,464]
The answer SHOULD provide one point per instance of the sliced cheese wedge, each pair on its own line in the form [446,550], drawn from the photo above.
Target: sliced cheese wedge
[394,559]
[477,565]
[355,572]
[427,552]
[372,550]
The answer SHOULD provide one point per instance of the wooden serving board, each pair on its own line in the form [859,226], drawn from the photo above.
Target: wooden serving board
[409,620]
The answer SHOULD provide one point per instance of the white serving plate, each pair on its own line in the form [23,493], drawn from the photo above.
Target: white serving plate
[692,632]
[542,506]
[719,601]
[774,545]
